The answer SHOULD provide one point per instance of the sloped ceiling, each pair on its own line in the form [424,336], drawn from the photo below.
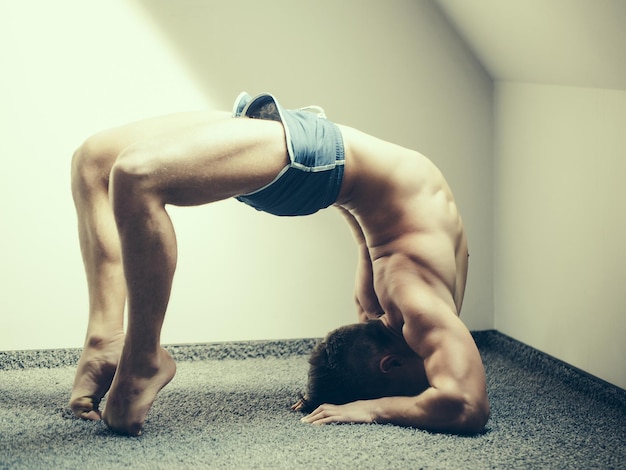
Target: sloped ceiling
[560,42]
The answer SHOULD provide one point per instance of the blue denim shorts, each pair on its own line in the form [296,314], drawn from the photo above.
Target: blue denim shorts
[312,179]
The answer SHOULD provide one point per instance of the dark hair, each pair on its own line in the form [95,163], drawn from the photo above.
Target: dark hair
[344,367]
[264,109]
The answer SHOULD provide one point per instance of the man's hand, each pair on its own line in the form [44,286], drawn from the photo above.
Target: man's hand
[356,412]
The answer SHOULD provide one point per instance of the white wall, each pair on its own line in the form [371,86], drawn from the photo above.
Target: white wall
[560,223]
[71,67]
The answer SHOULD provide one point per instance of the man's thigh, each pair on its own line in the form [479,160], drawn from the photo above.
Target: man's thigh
[192,160]
[114,140]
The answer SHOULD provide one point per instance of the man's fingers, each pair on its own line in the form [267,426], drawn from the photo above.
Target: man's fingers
[318,420]
[324,414]
[298,405]
[355,412]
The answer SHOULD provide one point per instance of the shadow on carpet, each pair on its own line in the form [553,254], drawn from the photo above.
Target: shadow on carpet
[228,407]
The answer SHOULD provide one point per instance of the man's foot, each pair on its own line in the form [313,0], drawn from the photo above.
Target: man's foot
[133,391]
[94,374]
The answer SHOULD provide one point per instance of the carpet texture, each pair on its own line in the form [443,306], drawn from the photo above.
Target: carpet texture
[228,407]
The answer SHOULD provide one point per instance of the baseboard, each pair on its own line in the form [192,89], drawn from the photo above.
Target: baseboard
[530,357]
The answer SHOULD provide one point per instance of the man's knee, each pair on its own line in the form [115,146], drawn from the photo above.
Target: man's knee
[91,165]
[134,182]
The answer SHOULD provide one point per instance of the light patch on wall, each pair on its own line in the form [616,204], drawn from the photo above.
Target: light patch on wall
[70,68]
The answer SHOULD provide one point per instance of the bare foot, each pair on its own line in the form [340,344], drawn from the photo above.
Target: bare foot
[133,391]
[94,374]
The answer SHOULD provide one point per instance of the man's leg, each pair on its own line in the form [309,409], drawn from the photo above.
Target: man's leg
[191,166]
[100,248]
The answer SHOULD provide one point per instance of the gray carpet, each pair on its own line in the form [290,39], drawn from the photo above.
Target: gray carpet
[228,407]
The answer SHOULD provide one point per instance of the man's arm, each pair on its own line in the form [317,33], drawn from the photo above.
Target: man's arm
[455,402]
[367,304]
[457,398]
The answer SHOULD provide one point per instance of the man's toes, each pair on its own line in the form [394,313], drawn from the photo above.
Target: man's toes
[134,429]
[83,408]
[92,415]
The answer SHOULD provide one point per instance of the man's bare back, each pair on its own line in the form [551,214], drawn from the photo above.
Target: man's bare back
[404,206]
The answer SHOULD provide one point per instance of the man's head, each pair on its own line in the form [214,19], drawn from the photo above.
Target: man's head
[360,362]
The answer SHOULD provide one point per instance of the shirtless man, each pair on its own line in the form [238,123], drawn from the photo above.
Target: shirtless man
[410,277]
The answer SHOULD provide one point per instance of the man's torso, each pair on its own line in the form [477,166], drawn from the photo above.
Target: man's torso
[408,216]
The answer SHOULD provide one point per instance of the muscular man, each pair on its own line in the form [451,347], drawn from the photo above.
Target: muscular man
[410,278]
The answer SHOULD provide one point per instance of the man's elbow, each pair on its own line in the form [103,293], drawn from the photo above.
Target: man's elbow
[474,417]
[461,413]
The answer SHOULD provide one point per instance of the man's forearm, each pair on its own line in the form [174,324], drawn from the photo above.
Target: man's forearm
[433,410]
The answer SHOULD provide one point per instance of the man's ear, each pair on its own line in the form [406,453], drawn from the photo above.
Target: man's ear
[389,362]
